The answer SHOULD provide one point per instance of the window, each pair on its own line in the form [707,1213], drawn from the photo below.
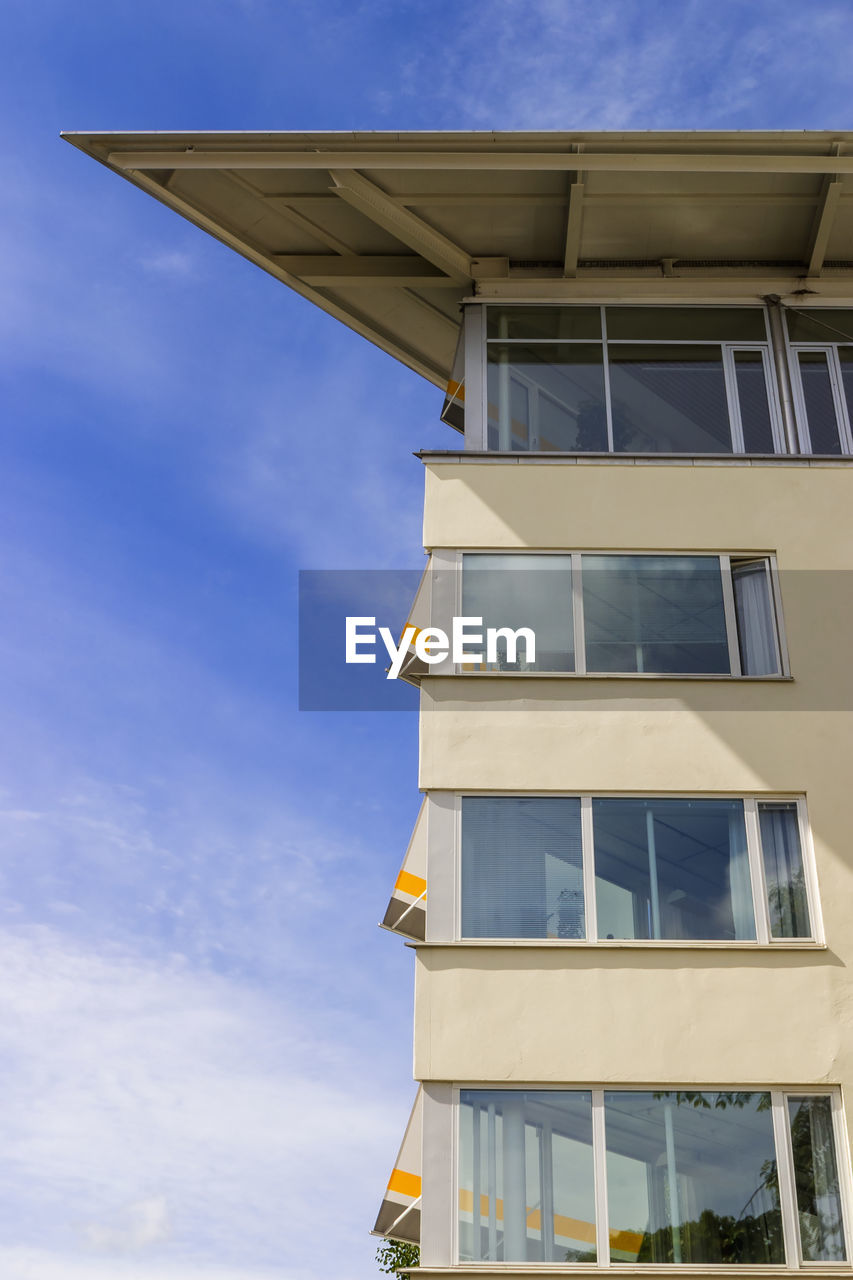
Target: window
[634,868]
[737,1178]
[629,614]
[630,380]
[822,357]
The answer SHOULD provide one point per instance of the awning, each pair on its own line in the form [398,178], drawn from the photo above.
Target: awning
[399,1215]
[406,911]
[453,410]
[419,617]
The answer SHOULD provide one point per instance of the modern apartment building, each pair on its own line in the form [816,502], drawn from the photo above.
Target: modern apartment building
[629,888]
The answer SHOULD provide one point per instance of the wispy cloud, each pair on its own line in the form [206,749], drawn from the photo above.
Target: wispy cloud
[569,65]
[169,262]
[150,1109]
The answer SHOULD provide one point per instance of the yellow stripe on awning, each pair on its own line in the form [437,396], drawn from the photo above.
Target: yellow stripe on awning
[406,911]
[407,1184]
[414,885]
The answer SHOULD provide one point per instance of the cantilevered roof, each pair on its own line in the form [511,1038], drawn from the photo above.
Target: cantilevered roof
[390,231]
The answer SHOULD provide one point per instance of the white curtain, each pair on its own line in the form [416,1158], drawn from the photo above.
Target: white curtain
[783,871]
[755,622]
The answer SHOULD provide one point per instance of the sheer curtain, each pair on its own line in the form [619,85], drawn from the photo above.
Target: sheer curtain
[756,624]
[816,1174]
[783,871]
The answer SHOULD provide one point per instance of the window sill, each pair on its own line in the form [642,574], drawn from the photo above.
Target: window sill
[547,1270]
[715,677]
[621,944]
[638,459]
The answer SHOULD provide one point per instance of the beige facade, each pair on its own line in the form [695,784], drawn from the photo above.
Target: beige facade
[655,1013]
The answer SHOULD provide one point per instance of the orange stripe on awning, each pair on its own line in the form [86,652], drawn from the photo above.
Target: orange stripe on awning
[455,389]
[407,1184]
[414,885]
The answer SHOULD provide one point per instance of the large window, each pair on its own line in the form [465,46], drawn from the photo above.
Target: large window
[644,614]
[737,1178]
[822,355]
[630,380]
[634,869]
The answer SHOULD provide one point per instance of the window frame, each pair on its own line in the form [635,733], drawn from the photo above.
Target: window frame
[842,416]
[477,364]
[725,559]
[758,883]
[789,1211]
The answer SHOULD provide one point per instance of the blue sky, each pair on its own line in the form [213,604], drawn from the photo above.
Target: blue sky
[205,1043]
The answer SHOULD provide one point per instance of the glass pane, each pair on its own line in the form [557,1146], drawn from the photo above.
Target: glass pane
[756,620]
[816,1179]
[687,324]
[691,1178]
[526,1190]
[673,869]
[755,418]
[824,324]
[784,874]
[546,398]
[820,406]
[522,869]
[518,591]
[668,399]
[566,323]
[654,613]
[845,361]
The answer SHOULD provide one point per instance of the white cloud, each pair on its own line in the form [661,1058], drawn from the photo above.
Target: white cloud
[41,1264]
[170,262]
[142,1223]
[572,65]
[152,1110]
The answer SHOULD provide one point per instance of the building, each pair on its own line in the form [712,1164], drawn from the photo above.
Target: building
[629,889]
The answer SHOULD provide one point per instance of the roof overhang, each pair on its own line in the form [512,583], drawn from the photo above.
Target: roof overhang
[389,232]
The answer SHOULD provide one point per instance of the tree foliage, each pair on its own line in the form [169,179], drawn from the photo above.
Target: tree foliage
[394,1255]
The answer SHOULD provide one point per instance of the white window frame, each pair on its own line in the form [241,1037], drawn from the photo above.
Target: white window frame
[755,855]
[724,559]
[476,370]
[789,1212]
[842,417]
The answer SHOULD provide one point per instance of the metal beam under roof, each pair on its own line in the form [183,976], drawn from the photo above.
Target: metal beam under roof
[390,232]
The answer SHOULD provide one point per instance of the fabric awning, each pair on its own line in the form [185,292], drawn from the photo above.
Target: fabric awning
[453,409]
[399,1216]
[419,617]
[406,911]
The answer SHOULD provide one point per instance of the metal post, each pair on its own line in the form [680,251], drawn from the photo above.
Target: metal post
[672,1183]
[653,872]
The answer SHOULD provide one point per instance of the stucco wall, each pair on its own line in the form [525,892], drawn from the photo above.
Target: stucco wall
[656,1015]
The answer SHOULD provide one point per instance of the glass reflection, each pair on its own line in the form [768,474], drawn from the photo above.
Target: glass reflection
[691,1178]
[672,869]
[669,400]
[529,591]
[816,1180]
[661,614]
[545,398]
[526,1188]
